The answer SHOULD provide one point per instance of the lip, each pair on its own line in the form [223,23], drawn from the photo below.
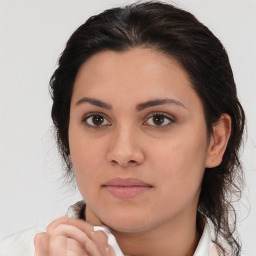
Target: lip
[126,188]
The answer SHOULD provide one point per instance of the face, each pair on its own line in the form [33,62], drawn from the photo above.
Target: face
[138,139]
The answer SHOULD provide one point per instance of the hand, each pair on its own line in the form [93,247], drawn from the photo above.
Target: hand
[72,237]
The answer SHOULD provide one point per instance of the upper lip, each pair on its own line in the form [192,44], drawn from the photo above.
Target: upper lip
[126,182]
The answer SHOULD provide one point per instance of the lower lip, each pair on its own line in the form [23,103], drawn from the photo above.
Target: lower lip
[127,192]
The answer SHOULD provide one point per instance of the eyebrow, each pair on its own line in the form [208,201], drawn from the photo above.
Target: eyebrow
[94,102]
[139,107]
[156,102]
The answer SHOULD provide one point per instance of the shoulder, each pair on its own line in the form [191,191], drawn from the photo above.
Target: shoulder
[21,243]
[206,246]
[214,251]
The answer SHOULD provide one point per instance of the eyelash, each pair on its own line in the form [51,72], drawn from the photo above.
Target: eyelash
[92,114]
[171,119]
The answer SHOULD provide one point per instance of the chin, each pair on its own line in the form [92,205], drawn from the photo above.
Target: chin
[127,222]
[127,227]
[126,216]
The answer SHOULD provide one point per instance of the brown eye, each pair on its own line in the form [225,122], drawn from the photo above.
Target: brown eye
[159,120]
[96,120]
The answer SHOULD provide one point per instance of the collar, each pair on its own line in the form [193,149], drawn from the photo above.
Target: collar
[203,247]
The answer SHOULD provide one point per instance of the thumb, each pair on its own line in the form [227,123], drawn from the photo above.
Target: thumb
[41,243]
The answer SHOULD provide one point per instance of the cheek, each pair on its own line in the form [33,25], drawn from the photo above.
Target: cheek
[85,168]
[180,165]
[87,159]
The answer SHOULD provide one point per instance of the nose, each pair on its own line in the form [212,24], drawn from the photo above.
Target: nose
[125,149]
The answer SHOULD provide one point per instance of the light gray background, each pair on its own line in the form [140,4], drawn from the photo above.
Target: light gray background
[32,35]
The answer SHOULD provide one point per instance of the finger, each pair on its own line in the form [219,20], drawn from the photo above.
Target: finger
[73,233]
[101,241]
[58,246]
[110,251]
[70,232]
[94,248]
[74,248]
[56,222]
[97,245]
[78,223]
[41,243]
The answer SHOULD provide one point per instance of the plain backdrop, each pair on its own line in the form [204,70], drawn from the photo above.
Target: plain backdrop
[33,33]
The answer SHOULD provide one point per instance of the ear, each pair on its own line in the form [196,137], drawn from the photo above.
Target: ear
[218,141]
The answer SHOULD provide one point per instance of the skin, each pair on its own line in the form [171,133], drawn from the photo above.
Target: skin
[70,237]
[170,155]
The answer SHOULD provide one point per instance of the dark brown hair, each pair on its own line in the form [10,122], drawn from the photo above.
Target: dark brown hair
[179,34]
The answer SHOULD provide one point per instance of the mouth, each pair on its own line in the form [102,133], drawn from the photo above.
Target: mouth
[126,188]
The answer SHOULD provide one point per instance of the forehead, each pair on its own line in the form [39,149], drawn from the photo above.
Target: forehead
[140,74]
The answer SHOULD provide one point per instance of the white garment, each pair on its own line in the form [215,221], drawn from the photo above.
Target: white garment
[22,243]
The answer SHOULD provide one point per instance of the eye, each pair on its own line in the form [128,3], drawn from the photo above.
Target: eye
[95,120]
[159,119]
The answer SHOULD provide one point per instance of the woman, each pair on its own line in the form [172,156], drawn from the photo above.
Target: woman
[148,122]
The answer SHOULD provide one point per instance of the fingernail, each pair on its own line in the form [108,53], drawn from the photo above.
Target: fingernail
[107,249]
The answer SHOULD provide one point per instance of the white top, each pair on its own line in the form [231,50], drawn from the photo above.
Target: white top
[22,243]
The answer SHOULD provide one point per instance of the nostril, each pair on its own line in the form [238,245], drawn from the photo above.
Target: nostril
[114,162]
